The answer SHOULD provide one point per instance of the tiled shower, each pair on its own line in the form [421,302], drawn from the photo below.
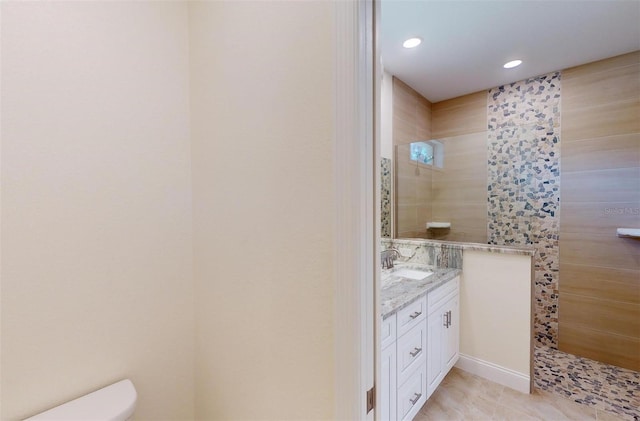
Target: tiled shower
[531,128]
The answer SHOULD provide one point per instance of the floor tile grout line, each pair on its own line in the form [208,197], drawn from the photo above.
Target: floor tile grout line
[577,378]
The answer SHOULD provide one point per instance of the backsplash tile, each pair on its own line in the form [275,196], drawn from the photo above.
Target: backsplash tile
[426,252]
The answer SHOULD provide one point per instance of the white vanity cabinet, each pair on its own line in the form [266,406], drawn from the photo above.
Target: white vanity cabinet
[411,351]
[443,333]
[419,347]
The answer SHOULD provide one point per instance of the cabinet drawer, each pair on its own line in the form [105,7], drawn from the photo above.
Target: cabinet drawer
[388,331]
[411,315]
[442,294]
[412,395]
[412,351]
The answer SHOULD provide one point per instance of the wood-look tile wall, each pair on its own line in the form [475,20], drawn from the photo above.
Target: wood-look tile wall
[411,114]
[460,186]
[411,123]
[413,195]
[599,303]
[599,287]
[458,116]
[454,193]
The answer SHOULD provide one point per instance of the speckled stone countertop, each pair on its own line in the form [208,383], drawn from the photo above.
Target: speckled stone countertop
[521,250]
[398,292]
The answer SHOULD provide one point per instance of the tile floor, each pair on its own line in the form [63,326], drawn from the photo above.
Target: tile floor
[600,386]
[463,396]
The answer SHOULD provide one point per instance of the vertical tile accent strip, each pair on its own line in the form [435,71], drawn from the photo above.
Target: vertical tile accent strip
[524,184]
[385,197]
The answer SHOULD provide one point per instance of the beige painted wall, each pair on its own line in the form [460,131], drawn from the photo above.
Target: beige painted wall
[495,309]
[96,205]
[261,103]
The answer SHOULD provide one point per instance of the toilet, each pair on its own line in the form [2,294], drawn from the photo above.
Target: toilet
[112,403]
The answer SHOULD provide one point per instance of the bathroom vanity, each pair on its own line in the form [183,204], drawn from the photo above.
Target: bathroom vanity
[419,336]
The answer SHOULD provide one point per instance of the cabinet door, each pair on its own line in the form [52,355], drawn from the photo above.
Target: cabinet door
[387,405]
[388,331]
[451,335]
[435,328]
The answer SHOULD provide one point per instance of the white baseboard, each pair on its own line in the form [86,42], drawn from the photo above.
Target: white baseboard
[495,373]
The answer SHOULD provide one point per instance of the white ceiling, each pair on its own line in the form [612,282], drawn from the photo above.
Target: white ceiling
[465,43]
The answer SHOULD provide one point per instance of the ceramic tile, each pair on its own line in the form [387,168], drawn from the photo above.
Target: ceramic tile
[504,413]
[606,416]
[438,408]
[600,386]
[531,101]
[524,184]
[545,406]
[464,396]
[432,253]
[385,197]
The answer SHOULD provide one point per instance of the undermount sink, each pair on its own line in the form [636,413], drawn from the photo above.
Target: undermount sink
[417,275]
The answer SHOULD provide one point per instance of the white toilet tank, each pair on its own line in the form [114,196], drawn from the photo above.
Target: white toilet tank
[112,403]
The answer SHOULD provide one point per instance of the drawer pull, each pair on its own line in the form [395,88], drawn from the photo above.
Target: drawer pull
[415,352]
[416,314]
[416,398]
[445,319]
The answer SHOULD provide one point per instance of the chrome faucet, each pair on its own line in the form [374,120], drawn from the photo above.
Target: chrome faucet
[388,256]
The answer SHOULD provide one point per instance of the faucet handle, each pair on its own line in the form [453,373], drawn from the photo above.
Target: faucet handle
[387,257]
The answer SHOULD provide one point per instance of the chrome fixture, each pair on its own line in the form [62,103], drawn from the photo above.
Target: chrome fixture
[388,256]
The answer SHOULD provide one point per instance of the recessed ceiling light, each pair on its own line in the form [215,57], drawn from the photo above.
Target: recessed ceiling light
[411,43]
[512,64]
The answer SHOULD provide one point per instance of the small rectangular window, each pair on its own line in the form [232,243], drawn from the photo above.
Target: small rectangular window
[422,152]
[429,152]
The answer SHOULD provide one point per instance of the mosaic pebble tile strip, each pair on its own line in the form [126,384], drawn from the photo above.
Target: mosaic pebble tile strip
[605,387]
[524,184]
[531,101]
[385,197]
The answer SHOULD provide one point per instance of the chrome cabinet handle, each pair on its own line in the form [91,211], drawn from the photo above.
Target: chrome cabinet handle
[447,319]
[415,352]
[416,398]
[416,314]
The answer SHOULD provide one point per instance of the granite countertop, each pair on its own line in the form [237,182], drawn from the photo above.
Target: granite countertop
[398,292]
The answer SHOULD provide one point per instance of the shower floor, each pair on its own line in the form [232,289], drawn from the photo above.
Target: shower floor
[605,387]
